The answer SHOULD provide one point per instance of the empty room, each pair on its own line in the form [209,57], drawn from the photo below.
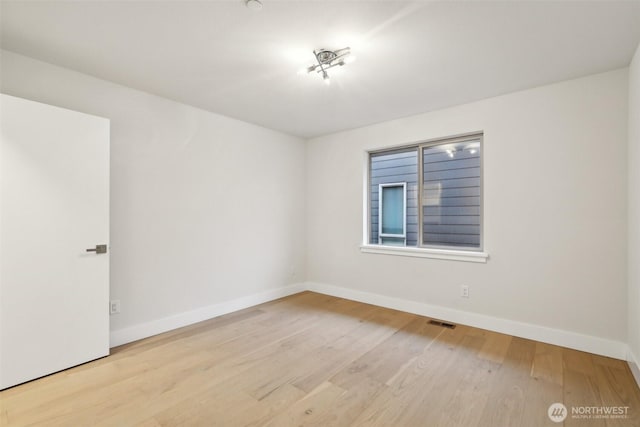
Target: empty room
[319,213]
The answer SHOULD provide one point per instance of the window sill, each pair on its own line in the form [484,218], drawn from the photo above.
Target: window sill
[451,255]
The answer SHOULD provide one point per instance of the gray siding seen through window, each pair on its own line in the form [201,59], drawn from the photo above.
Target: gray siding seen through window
[451,194]
[395,167]
[443,182]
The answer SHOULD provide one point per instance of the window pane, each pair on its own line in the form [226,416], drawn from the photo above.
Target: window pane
[393,210]
[451,194]
[392,241]
[392,167]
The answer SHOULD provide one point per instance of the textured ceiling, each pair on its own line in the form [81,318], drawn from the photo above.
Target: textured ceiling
[412,57]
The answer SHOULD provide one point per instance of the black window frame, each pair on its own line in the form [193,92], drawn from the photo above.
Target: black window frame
[476,137]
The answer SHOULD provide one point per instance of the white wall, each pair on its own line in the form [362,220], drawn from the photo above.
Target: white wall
[204,209]
[555,175]
[634,206]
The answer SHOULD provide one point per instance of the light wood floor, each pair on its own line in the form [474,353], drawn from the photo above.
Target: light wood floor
[311,359]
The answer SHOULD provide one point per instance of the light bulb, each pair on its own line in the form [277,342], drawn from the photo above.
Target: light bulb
[254,4]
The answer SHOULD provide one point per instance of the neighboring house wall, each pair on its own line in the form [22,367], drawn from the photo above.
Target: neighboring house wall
[452,192]
[451,203]
[555,204]
[634,208]
[395,168]
[204,209]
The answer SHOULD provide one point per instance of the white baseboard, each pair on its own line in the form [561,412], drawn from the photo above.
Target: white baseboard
[634,364]
[591,344]
[154,327]
[577,341]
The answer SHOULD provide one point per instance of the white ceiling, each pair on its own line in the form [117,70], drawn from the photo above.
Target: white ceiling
[412,56]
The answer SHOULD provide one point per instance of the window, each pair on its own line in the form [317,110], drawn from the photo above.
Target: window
[427,195]
[387,170]
[392,214]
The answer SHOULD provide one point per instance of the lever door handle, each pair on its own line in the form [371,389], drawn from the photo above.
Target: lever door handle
[99,249]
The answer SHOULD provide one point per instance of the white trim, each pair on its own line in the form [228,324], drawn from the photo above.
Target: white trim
[574,340]
[419,148]
[452,255]
[366,196]
[154,327]
[381,188]
[634,365]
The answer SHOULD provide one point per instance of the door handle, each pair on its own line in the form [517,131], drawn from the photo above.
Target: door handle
[99,249]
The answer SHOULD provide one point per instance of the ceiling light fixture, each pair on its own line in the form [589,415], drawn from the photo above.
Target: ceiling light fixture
[328,59]
[253,4]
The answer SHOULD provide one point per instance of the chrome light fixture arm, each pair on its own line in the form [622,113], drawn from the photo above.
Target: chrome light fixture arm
[328,59]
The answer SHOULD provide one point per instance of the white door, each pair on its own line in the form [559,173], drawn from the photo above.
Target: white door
[54,205]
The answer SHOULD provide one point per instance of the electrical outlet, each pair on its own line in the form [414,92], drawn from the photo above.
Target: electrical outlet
[464,291]
[114,306]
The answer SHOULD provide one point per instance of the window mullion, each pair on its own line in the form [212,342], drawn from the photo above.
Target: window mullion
[420,190]
[380,202]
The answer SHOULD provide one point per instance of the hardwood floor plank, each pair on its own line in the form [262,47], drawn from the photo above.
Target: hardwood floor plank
[495,346]
[540,393]
[286,370]
[616,389]
[417,381]
[465,377]
[317,360]
[352,345]
[507,400]
[581,388]
[385,360]
[547,363]
[273,405]
[463,399]
[151,422]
